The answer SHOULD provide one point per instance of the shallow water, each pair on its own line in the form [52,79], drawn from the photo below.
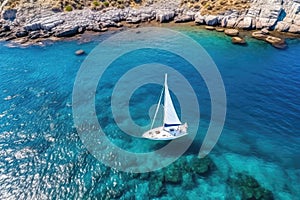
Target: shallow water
[43,157]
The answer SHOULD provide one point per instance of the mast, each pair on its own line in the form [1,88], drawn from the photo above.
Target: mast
[170,115]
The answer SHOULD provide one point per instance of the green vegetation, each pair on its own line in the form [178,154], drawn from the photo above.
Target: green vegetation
[105,3]
[96,3]
[68,8]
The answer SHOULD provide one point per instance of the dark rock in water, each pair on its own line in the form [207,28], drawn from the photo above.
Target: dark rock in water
[250,188]
[172,174]
[79,52]
[68,31]
[188,181]
[156,188]
[10,14]
[201,166]
[21,34]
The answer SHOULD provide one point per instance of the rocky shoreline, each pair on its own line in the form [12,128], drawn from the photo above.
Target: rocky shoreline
[29,25]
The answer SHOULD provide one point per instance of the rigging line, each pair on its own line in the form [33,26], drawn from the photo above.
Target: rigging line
[157,107]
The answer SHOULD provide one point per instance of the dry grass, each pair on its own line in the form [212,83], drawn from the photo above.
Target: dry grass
[75,4]
[216,6]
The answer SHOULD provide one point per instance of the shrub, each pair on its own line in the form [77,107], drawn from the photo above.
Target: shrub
[68,8]
[96,3]
[105,3]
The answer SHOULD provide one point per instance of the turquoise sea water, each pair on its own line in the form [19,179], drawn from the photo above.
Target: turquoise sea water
[42,156]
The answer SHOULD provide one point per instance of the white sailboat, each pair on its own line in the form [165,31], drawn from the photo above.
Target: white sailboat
[172,127]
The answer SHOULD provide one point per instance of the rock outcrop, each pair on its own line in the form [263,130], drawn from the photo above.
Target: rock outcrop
[32,22]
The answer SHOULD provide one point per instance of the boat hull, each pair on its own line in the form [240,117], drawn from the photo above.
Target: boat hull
[160,134]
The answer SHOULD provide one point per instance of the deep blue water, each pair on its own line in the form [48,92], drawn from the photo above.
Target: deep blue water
[43,157]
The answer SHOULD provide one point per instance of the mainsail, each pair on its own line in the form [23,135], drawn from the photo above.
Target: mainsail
[170,115]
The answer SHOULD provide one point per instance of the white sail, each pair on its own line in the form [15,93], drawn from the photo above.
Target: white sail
[170,115]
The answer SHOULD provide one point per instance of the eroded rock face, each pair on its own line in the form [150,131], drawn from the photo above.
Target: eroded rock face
[165,15]
[67,31]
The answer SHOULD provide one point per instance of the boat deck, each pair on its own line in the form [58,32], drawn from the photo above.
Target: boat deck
[160,134]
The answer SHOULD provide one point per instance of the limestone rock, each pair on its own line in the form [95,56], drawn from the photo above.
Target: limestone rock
[165,15]
[231,32]
[211,20]
[199,19]
[259,35]
[184,18]
[210,28]
[238,40]
[67,31]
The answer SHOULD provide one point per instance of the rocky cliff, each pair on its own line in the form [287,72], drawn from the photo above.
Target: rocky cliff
[41,19]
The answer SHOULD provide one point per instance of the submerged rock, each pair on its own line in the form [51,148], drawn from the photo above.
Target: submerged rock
[276,42]
[173,174]
[250,188]
[210,28]
[259,35]
[238,40]
[220,29]
[200,166]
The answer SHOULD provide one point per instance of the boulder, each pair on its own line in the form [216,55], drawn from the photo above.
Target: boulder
[79,52]
[294,28]
[231,32]
[283,26]
[265,31]
[133,20]
[10,14]
[276,42]
[238,40]
[220,29]
[33,26]
[165,15]
[67,31]
[183,18]
[210,28]
[199,19]
[211,20]
[21,33]
[246,23]
[34,35]
[259,35]
[5,28]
